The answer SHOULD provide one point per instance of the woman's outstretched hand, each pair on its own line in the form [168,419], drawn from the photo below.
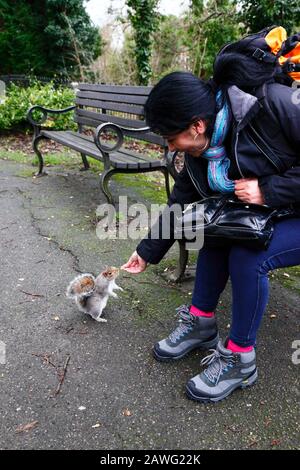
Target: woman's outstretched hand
[135,264]
[248,190]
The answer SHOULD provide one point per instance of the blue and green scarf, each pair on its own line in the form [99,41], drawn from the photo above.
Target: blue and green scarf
[216,154]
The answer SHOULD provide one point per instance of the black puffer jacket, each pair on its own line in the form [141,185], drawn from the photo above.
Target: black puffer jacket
[274,128]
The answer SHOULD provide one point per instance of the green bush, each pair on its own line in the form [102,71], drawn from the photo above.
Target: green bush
[19,99]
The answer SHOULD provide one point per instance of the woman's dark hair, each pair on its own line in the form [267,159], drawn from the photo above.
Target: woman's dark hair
[178,100]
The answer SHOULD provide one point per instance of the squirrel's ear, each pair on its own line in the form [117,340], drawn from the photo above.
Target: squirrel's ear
[104,274]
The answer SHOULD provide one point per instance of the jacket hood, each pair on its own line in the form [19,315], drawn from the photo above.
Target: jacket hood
[243,105]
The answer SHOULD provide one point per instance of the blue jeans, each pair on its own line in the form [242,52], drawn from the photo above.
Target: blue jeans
[248,270]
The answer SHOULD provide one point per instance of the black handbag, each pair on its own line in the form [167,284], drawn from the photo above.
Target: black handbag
[224,218]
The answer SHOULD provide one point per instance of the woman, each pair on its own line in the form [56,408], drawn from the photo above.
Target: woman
[206,120]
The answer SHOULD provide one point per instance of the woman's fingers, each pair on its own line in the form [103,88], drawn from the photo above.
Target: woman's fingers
[126,265]
[133,269]
[133,258]
[135,264]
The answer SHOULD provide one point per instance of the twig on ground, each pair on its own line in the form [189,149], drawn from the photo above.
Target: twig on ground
[62,376]
[46,358]
[33,295]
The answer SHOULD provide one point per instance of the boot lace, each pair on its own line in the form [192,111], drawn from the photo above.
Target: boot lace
[186,323]
[218,364]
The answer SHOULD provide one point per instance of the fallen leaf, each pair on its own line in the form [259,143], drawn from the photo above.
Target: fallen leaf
[253,441]
[275,442]
[27,427]
[127,412]
[56,318]
[97,425]
[286,274]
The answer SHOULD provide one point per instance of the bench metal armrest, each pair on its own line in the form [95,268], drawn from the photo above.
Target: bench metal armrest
[120,135]
[45,112]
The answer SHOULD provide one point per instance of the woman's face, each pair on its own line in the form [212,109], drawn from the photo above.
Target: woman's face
[193,140]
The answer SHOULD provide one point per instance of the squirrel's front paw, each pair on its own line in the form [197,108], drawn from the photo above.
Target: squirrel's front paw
[100,319]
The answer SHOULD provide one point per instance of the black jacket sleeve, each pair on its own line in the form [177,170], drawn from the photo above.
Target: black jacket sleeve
[281,190]
[152,250]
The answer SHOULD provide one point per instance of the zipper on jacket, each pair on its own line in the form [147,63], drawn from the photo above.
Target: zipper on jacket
[235,151]
[194,181]
[262,151]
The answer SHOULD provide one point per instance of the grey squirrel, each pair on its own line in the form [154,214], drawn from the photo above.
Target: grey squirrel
[91,294]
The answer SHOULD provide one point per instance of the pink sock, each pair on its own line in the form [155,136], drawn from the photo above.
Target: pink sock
[200,313]
[235,348]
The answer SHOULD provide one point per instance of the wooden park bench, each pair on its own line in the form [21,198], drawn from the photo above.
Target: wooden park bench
[96,105]
[120,110]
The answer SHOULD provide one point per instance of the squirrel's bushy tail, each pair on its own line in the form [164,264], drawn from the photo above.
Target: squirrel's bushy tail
[82,286]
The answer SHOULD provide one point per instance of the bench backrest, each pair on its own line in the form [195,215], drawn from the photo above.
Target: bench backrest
[121,105]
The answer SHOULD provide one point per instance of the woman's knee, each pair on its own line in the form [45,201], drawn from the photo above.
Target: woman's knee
[243,261]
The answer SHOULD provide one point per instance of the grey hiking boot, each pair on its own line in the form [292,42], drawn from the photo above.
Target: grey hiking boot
[226,371]
[192,332]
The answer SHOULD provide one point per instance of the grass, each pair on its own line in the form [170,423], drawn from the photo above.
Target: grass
[56,158]
[288,277]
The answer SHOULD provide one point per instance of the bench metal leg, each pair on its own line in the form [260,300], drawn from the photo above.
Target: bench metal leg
[35,143]
[104,184]
[178,275]
[167,181]
[86,164]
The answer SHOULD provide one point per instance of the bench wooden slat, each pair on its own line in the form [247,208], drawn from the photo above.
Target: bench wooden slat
[84,144]
[136,123]
[127,152]
[117,157]
[115,98]
[124,89]
[122,157]
[64,138]
[118,162]
[147,137]
[122,151]
[109,105]
[124,154]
